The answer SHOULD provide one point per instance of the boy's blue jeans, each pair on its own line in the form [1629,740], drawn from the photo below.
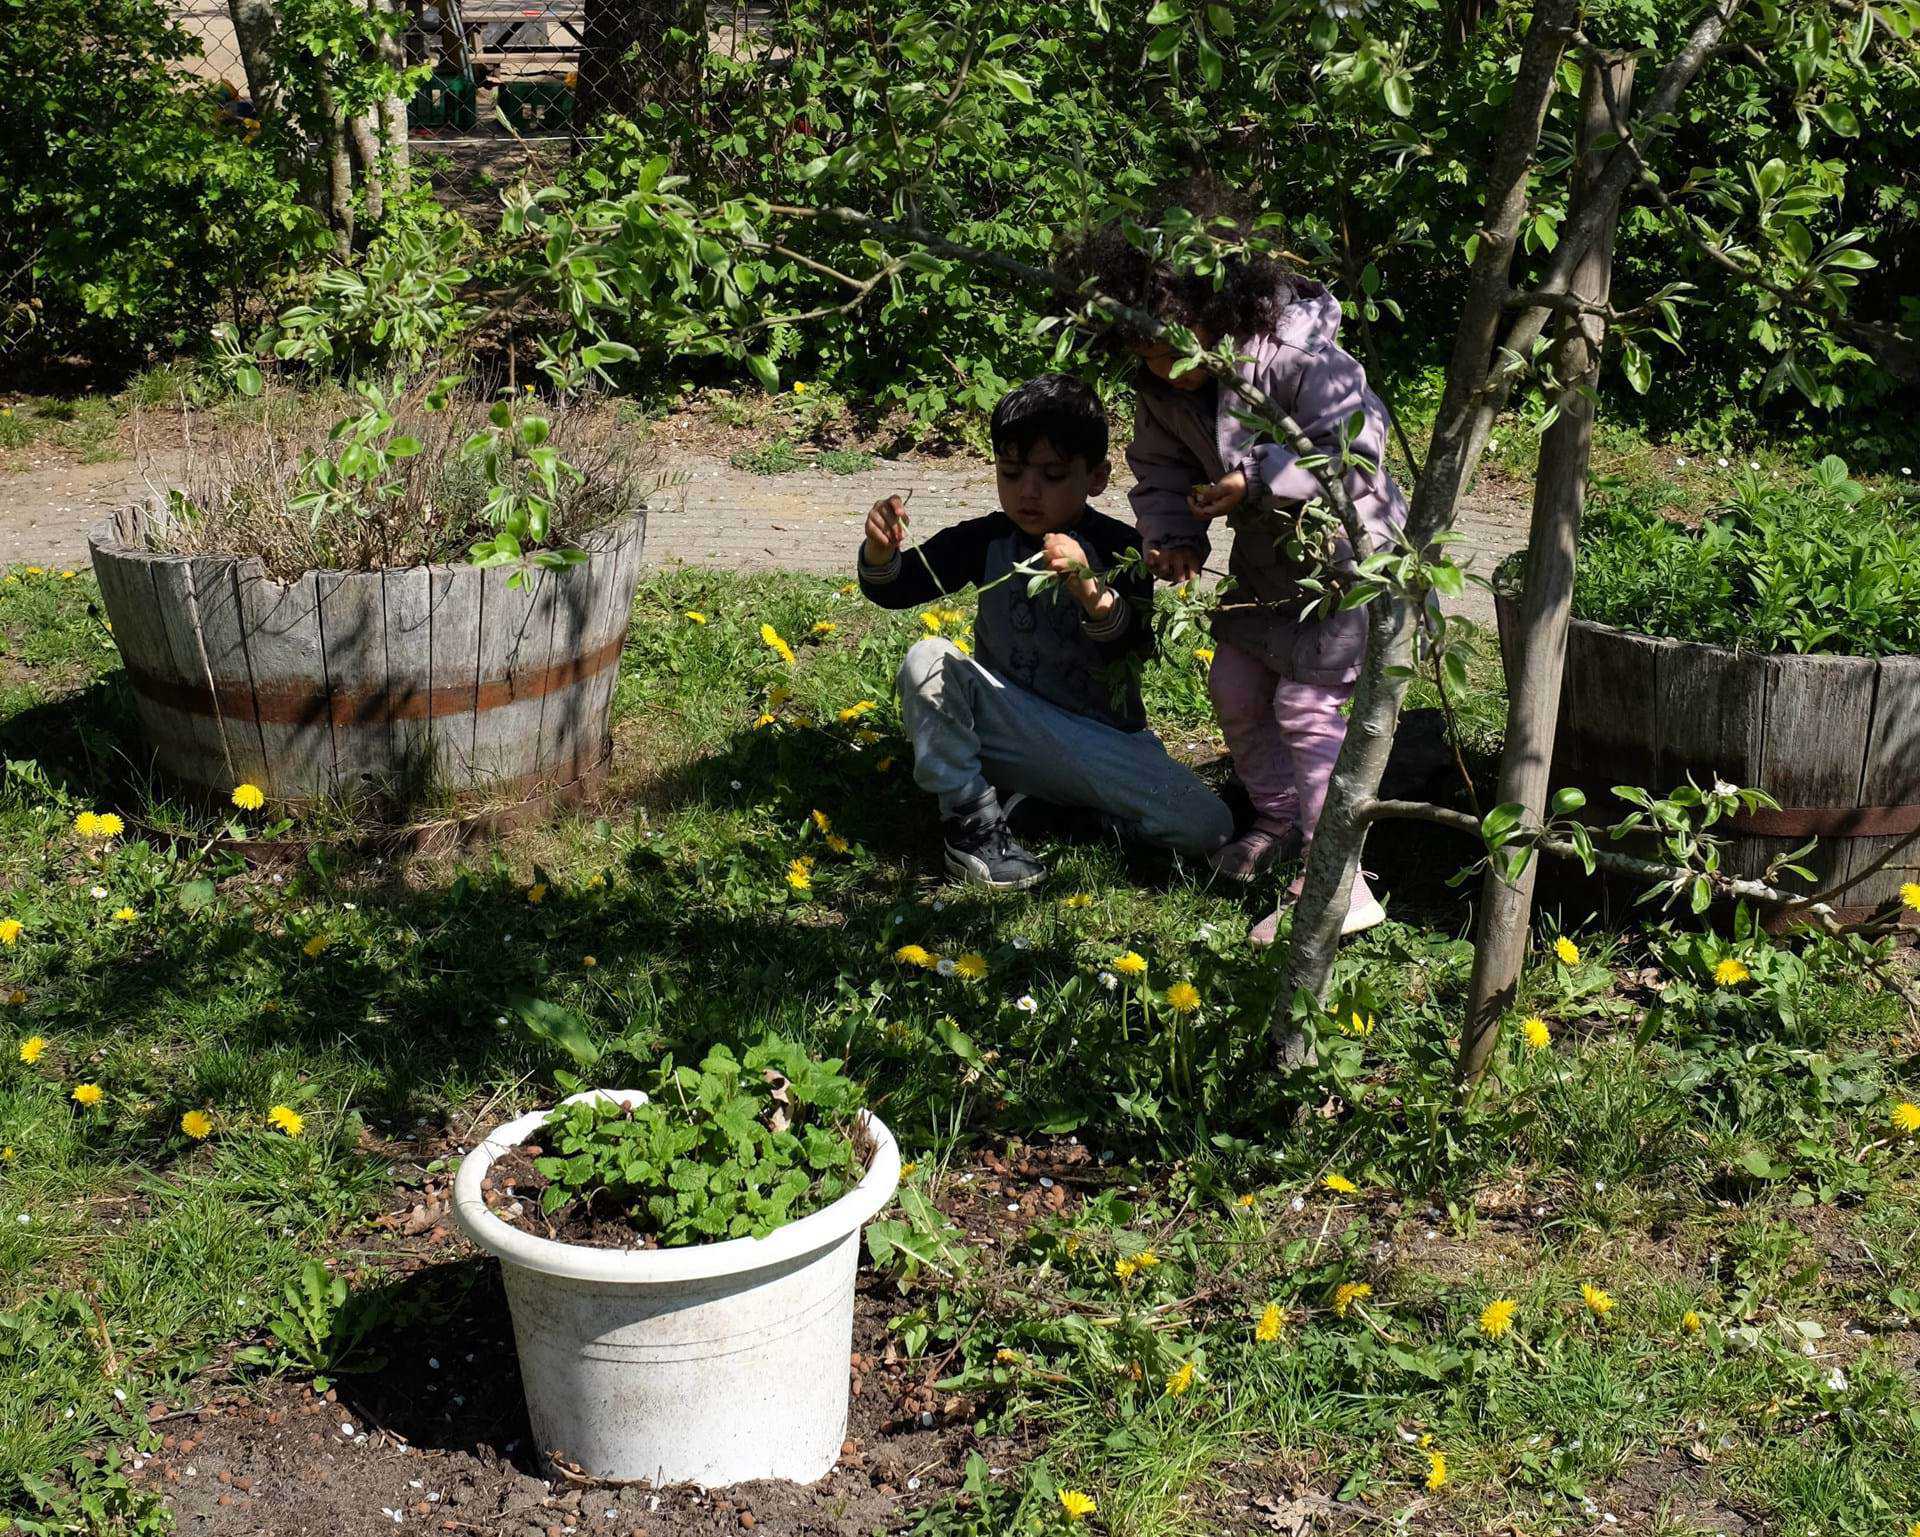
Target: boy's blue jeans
[972,730]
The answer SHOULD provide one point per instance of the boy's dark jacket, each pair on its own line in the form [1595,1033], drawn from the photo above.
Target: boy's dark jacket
[1044,644]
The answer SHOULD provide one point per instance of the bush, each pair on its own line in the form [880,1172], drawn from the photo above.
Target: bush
[1816,565]
[139,206]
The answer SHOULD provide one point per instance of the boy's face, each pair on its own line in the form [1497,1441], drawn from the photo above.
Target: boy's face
[1043,490]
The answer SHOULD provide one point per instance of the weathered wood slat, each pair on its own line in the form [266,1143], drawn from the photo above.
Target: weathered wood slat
[353,627]
[204,736]
[407,600]
[1818,709]
[620,548]
[516,628]
[1610,720]
[285,653]
[457,598]
[216,601]
[1712,713]
[1890,776]
[563,720]
[126,591]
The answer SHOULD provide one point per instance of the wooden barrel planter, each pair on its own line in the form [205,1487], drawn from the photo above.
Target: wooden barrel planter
[398,685]
[1834,739]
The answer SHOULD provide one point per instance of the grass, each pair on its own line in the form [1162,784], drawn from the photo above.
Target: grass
[1683,1147]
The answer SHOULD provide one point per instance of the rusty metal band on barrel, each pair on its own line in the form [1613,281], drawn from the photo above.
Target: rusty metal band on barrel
[1829,822]
[306,704]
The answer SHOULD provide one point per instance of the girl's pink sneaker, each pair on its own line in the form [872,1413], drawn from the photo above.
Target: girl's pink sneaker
[1363,912]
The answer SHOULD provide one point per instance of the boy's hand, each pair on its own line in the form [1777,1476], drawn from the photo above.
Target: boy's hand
[1220,498]
[886,530]
[1175,564]
[1064,556]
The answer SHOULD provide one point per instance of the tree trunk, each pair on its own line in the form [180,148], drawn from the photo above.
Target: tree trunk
[339,207]
[365,138]
[1560,490]
[392,111]
[1459,434]
[254,24]
[629,61]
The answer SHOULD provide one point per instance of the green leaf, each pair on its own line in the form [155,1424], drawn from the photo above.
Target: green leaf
[764,371]
[1838,116]
[194,895]
[1397,92]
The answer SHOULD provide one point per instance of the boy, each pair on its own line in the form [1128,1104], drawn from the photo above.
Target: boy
[1050,707]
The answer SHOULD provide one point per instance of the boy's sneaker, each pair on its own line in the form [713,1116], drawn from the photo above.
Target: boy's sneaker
[982,852]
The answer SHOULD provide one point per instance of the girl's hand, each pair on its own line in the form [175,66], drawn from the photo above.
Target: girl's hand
[886,530]
[1176,564]
[1220,498]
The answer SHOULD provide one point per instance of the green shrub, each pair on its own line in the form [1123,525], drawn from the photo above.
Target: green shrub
[731,1149]
[138,209]
[1820,564]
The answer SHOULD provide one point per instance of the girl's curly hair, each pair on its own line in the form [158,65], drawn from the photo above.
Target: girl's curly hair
[1243,297]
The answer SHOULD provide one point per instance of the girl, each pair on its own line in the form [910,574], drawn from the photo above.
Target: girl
[1278,681]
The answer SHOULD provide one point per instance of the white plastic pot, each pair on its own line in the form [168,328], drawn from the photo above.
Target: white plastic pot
[711,1364]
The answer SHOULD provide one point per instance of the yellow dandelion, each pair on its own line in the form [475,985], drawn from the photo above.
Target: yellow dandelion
[857,709]
[1181,1380]
[799,876]
[1690,1321]
[883,766]
[7,1155]
[1436,1470]
[1008,1357]
[916,955]
[589,961]
[960,645]
[764,720]
[1731,972]
[33,1048]
[778,695]
[124,915]
[776,643]
[87,824]
[1244,1201]
[1203,655]
[823,627]
[17,997]
[799,387]
[288,1119]
[906,1169]
[1183,998]
[1496,1318]
[821,820]
[1906,1117]
[1358,1026]
[316,945]
[10,931]
[1272,1321]
[87,1094]
[1130,963]
[1339,1184]
[537,893]
[694,616]
[838,844]
[972,966]
[1124,1268]
[197,1124]
[932,621]
[1567,951]
[66,576]
[1146,1259]
[1910,898]
[249,797]
[1537,1035]
[595,881]
[1078,900]
[1598,1302]
[866,736]
[1349,1292]
[35,571]
[1078,1506]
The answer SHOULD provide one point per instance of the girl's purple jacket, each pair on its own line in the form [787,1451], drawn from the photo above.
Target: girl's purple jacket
[1182,438]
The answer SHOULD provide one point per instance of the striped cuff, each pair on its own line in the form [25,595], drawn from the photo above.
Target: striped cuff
[879,576]
[1110,628]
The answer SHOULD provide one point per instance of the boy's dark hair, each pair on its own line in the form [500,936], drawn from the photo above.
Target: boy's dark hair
[1055,408]
[1244,298]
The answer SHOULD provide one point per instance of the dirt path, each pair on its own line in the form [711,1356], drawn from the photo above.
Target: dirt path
[719,516]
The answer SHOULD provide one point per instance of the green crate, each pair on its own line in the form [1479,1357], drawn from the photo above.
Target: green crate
[539,104]
[445,101]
